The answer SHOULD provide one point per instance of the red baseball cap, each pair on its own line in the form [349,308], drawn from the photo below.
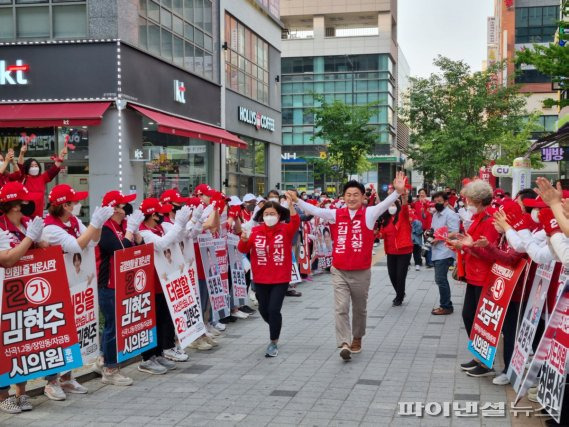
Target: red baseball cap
[204,189]
[511,208]
[173,196]
[63,193]
[16,191]
[539,203]
[152,205]
[115,198]
[499,192]
[466,181]
[193,201]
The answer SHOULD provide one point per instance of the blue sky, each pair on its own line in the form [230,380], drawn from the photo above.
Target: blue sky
[453,28]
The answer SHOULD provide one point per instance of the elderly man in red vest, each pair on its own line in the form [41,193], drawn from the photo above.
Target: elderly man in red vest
[352,230]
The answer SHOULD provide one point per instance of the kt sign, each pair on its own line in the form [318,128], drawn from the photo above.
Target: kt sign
[13,74]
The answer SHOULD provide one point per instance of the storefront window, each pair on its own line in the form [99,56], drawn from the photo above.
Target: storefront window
[175,162]
[247,169]
[46,142]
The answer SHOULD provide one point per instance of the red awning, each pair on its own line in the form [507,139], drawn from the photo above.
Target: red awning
[183,127]
[52,114]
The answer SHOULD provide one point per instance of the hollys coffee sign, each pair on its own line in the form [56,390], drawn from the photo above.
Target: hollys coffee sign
[256,119]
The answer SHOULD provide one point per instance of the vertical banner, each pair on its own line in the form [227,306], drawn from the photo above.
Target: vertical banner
[239,284]
[217,297]
[180,296]
[295,273]
[551,360]
[222,262]
[187,246]
[81,270]
[135,311]
[38,330]
[304,249]
[491,311]
[529,323]
[551,385]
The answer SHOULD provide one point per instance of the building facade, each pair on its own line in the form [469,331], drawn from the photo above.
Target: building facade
[341,50]
[515,26]
[251,59]
[134,85]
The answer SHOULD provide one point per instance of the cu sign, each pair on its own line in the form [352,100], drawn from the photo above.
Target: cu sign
[501,170]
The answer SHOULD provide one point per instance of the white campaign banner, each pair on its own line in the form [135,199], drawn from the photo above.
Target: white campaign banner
[239,284]
[81,268]
[529,322]
[189,253]
[180,294]
[218,298]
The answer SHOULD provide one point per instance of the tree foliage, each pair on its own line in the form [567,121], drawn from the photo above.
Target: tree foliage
[457,120]
[552,60]
[347,133]
[517,144]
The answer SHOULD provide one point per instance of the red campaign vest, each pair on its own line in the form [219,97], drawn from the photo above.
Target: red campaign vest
[159,231]
[119,232]
[16,235]
[271,255]
[72,230]
[353,241]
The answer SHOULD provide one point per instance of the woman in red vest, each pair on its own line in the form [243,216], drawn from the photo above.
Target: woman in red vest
[479,196]
[36,181]
[64,229]
[395,229]
[19,234]
[270,247]
[153,360]
[118,233]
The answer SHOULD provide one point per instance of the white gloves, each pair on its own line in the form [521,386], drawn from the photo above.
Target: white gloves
[134,220]
[197,214]
[101,215]
[182,216]
[35,228]
[246,228]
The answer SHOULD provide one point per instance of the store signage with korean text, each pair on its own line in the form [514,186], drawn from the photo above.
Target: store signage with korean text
[554,154]
[13,74]
[179,92]
[256,119]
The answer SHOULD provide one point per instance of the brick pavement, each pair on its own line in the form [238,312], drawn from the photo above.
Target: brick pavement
[409,355]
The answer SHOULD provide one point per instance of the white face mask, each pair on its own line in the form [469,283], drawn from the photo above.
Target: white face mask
[271,220]
[472,209]
[34,171]
[304,197]
[461,204]
[392,210]
[76,209]
[273,199]
[534,215]
[327,206]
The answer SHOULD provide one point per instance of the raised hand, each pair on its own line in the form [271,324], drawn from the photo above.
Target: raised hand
[182,216]
[101,215]
[400,182]
[547,192]
[134,220]
[35,228]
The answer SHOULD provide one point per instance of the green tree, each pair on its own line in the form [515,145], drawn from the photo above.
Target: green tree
[347,133]
[516,144]
[458,119]
[552,60]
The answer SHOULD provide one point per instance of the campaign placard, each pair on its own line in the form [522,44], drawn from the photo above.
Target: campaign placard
[529,323]
[218,298]
[491,311]
[135,307]
[81,270]
[551,360]
[188,251]
[304,262]
[180,295]
[222,262]
[239,284]
[295,272]
[38,333]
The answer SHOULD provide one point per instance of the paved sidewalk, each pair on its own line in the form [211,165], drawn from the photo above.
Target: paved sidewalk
[409,355]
